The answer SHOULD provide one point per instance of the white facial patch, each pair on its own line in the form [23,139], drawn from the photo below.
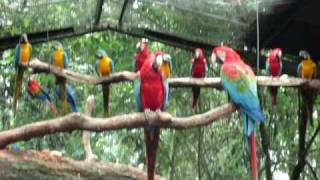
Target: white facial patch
[159,60]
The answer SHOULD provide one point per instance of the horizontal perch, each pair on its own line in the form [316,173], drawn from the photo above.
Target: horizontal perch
[135,120]
[173,82]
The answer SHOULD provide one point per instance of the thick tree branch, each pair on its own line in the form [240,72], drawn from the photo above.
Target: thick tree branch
[75,121]
[214,82]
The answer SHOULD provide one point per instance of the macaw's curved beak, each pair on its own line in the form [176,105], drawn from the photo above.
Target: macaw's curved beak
[157,62]
[24,38]
[279,56]
[99,55]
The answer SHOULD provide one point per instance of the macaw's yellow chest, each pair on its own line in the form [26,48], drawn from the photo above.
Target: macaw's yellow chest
[58,58]
[308,69]
[104,66]
[165,68]
[25,53]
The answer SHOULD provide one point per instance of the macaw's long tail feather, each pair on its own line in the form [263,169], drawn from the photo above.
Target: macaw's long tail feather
[61,81]
[195,93]
[105,93]
[17,88]
[253,156]
[52,107]
[309,96]
[273,92]
[71,100]
[151,137]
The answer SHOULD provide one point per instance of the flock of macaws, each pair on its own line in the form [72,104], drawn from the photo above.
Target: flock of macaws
[152,90]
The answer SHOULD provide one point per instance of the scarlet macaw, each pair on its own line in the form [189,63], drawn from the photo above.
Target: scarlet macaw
[307,69]
[22,56]
[36,91]
[274,68]
[239,81]
[166,67]
[198,69]
[70,98]
[151,93]
[141,55]
[59,59]
[104,66]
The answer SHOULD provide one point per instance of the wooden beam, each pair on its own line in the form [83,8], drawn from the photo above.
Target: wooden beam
[98,12]
[76,121]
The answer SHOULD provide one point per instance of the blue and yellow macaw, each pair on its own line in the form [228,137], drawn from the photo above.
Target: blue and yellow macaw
[70,97]
[59,58]
[104,67]
[307,69]
[166,67]
[239,81]
[22,56]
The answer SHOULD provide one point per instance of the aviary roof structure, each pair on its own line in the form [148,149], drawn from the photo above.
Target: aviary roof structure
[182,23]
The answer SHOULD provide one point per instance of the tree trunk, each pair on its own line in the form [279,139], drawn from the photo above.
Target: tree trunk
[30,165]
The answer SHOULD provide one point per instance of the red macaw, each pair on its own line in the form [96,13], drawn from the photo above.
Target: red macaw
[274,68]
[239,81]
[36,91]
[59,58]
[151,93]
[104,67]
[198,69]
[22,56]
[141,55]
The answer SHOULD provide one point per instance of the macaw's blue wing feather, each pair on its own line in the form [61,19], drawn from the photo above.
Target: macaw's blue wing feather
[17,56]
[280,72]
[65,60]
[96,67]
[137,84]
[166,94]
[299,69]
[267,68]
[205,69]
[170,65]
[190,69]
[70,99]
[111,66]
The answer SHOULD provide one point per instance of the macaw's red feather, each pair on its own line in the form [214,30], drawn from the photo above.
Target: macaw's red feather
[253,156]
[141,57]
[274,69]
[151,148]
[198,71]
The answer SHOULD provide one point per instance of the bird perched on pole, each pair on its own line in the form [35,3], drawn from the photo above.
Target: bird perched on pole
[151,92]
[273,69]
[36,91]
[239,81]
[166,67]
[22,56]
[198,69]
[59,58]
[104,67]
[141,55]
[307,69]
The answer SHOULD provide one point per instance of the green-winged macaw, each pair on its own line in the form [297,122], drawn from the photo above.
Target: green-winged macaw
[104,67]
[239,81]
[274,69]
[151,93]
[307,69]
[70,97]
[36,91]
[59,58]
[198,69]
[22,56]
[166,67]
[141,55]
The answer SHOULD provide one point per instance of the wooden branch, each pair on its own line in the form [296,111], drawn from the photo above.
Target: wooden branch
[50,165]
[213,82]
[75,121]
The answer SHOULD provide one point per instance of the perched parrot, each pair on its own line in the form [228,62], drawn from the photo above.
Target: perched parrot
[70,97]
[151,93]
[22,56]
[166,67]
[239,81]
[198,69]
[274,68]
[104,66]
[141,55]
[59,59]
[307,69]
[35,90]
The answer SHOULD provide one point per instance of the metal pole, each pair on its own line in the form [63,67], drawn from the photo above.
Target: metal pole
[258,38]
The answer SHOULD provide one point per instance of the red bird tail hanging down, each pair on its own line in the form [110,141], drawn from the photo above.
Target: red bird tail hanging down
[151,149]
[195,93]
[273,92]
[253,156]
